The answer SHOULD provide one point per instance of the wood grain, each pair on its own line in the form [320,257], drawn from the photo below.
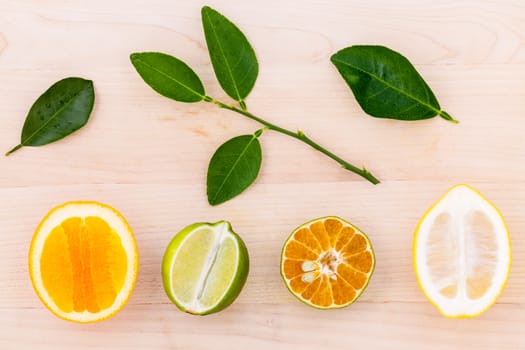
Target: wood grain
[147,157]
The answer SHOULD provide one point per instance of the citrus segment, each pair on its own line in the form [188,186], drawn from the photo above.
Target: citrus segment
[327,263]
[83,261]
[205,267]
[57,280]
[221,274]
[462,253]
[189,262]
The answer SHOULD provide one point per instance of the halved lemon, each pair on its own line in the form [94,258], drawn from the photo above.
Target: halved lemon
[327,263]
[83,261]
[462,253]
[205,267]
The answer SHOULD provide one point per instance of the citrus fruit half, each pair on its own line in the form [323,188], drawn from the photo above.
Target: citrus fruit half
[327,263]
[83,261]
[462,253]
[205,267]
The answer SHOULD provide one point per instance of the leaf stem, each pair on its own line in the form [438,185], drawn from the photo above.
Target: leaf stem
[243,105]
[299,135]
[16,148]
[448,117]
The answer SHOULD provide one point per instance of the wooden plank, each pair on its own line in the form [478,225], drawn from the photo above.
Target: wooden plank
[147,156]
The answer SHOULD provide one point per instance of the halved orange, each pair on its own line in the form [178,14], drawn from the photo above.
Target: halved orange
[83,261]
[327,263]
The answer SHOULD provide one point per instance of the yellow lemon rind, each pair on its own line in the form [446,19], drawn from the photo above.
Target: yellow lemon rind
[414,254]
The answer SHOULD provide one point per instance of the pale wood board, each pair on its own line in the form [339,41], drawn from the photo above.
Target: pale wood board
[147,156]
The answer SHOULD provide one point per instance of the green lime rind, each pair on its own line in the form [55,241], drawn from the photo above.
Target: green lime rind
[239,279]
[331,307]
[241,275]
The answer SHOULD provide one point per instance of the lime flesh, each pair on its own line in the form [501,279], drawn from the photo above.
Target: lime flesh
[205,267]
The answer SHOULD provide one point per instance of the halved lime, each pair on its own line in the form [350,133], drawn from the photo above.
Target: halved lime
[205,267]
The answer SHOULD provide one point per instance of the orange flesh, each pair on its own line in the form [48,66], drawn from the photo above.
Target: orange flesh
[83,265]
[327,263]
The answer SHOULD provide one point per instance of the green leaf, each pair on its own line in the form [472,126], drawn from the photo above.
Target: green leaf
[64,108]
[386,84]
[169,76]
[233,168]
[231,55]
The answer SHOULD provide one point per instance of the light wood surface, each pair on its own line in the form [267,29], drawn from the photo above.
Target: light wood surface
[147,156]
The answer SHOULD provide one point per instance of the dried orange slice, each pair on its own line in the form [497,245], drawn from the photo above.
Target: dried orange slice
[83,261]
[327,263]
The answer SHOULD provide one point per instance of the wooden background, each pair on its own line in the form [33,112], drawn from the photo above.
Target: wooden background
[147,156]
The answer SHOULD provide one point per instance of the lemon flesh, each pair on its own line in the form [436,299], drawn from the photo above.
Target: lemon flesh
[462,253]
[205,267]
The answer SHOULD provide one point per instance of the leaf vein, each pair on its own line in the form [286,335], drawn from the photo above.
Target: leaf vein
[233,167]
[389,85]
[169,77]
[228,68]
[407,109]
[53,117]
[374,95]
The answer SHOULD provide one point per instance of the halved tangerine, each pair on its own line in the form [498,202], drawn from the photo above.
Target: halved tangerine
[327,263]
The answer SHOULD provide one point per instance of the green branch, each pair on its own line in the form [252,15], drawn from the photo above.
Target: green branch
[299,135]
